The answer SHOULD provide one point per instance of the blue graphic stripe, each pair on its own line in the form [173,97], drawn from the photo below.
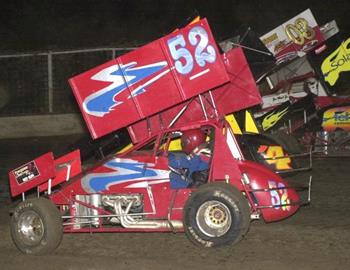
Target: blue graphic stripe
[100,104]
[98,183]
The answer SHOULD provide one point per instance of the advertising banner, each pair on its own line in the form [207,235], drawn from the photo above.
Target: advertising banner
[336,63]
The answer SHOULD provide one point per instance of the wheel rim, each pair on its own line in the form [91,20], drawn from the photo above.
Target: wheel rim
[214,218]
[30,228]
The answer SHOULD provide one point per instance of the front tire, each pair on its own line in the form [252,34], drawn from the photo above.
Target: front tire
[216,214]
[36,226]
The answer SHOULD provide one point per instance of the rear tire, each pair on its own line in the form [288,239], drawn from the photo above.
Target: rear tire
[216,214]
[36,226]
[287,141]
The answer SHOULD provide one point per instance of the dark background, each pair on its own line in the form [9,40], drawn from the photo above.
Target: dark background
[30,25]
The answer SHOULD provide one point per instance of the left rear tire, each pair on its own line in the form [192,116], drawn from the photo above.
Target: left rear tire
[36,226]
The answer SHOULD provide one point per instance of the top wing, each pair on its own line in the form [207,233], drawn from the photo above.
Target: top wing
[146,81]
[239,93]
[294,37]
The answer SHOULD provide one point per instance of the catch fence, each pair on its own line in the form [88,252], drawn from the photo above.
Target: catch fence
[37,83]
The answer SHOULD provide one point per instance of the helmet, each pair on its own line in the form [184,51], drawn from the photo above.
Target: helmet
[191,139]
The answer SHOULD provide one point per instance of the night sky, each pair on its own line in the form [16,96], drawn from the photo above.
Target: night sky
[31,25]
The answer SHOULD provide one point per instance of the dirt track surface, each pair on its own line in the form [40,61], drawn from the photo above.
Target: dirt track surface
[316,237]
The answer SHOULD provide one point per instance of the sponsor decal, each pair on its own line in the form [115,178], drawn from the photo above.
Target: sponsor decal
[26,172]
[299,31]
[200,240]
[280,99]
[270,39]
[279,196]
[21,207]
[272,118]
[274,100]
[337,62]
[336,118]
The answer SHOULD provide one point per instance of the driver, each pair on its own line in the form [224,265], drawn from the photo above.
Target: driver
[190,168]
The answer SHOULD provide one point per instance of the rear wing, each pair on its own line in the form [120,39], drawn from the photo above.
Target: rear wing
[146,81]
[294,38]
[239,93]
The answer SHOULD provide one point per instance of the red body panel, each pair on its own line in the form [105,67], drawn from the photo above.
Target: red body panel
[66,167]
[154,77]
[225,160]
[123,176]
[268,190]
[323,102]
